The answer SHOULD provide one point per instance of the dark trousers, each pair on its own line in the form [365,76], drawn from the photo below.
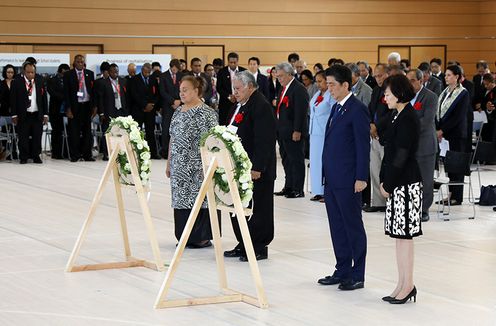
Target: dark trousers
[80,138]
[30,126]
[347,232]
[57,123]
[166,121]
[426,165]
[224,111]
[201,229]
[456,145]
[148,119]
[261,223]
[293,160]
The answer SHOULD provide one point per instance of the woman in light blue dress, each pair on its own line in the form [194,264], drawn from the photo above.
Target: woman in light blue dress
[320,109]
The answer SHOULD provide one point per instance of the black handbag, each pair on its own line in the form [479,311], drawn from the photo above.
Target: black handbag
[488,196]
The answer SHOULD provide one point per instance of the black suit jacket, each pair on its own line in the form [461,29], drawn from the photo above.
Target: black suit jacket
[274,91]
[19,100]
[169,92]
[441,78]
[371,82]
[435,85]
[293,111]
[71,87]
[4,99]
[380,114]
[224,87]
[55,86]
[257,130]
[479,89]
[141,94]
[106,98]
[263,85]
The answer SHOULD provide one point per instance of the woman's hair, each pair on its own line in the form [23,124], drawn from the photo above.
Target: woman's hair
[308,74]
[318,65]
[197,83]
[456,71]
[5,68]
[401,88]
[270,74]
[321,74]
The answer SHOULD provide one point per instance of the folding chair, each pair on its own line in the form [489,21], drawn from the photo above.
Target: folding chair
[96,131]
[456,163]
[65,139]
[158,133]
[9,135]
[47,130]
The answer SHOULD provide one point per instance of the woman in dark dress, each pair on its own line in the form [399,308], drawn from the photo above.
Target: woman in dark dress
[184,166]
[401,183]
[274,87]
[8,74]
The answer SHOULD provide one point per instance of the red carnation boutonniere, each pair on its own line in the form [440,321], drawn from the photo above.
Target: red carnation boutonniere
[285,101]
[124,88]
[42,91]
[319,99]
[153,89]
[238,118]
[417,106]
[383,100]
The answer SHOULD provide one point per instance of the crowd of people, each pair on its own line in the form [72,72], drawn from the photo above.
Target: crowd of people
[371,134]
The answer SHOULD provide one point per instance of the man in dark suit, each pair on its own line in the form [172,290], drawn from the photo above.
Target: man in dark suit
[437,71]
[224,86]
[345,171]
[292,128]
[29,109]
[254,122]
[80,108]
[112,101]
[425,104]
[262,81]
[131,71]
[143,95]
[196,70]
[56,109]
[430,82]
[479,89]
[365,75]
[169,94]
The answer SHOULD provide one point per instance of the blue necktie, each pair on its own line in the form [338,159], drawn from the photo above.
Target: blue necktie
[335,110]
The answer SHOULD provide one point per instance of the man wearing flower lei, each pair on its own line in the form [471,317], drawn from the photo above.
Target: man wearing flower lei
[254,122]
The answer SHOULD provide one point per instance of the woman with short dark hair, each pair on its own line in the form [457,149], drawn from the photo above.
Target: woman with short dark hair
[8,74]
[401,183]
[308,82]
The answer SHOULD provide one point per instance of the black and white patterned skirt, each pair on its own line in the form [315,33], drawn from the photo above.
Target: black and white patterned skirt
[404,212]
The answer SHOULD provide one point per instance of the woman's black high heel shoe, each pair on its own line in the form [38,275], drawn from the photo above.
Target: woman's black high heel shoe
[412,294]
[388,298]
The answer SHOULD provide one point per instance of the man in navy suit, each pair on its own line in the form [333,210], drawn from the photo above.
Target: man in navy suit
[345,170]
[224,87]
[262,81]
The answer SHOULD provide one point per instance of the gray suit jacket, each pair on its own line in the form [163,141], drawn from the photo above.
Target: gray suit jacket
[425,106]
[435,85]
[363,92]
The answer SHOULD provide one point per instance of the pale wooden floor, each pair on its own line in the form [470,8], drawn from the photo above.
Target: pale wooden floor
[44,206]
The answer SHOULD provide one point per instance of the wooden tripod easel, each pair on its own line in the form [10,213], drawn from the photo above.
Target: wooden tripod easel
[214,160]
[116,144]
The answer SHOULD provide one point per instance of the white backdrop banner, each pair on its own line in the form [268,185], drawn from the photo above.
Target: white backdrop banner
[47,62]
[93,61]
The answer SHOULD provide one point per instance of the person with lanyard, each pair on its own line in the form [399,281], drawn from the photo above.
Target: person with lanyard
[254,122]
[451,124]
[80,109]
[320,109]
[29,107]
[112,101]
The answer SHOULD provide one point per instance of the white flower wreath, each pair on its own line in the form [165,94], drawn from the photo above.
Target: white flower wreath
[141,150]
[242,167]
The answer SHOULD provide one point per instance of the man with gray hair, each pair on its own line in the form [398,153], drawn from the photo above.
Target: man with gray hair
[254,122]
[394,58]
[365,74]
[361,90]
[425,104]
[300,65]
[292,128]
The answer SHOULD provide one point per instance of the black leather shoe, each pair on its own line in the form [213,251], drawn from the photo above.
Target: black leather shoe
[236,252]
[261,255]
[74,159]
[89,159]
[199,245]
[388,298]
[317,198]
[283,192]
[105,158]
[494,209]
[351,285]
[425,217]
[412,294]
[295,194]
[37,160]
[330,280]
[374,209]
[23,161]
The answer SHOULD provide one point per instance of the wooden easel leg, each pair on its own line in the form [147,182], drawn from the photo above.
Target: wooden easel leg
[144,206]
[94,204]
[164,289]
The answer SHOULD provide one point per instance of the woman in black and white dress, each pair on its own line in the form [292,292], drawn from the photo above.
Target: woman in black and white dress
[184,167]
[401,183]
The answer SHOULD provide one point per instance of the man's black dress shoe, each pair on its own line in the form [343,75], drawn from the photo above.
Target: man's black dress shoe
[199,245]
[373,209]
[23,161]
[37,160]
[236,252]
[494,209]
[74,159]
[260,255]
[330,280]
[89,159]
[295,194]
[351,285]
[316,198]
[425,217]
[283,192]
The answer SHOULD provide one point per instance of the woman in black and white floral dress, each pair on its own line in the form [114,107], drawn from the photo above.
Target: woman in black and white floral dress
[401,183]
[184,167]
